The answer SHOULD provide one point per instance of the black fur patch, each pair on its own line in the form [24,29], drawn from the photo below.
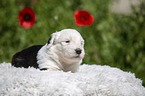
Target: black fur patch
[27,57]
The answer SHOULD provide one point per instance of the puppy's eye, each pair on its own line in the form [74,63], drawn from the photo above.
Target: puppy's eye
[67,41]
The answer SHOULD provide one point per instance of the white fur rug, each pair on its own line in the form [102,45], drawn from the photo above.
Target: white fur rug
[91,80]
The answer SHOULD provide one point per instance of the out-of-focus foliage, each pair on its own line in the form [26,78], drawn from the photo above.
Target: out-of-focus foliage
[113,39]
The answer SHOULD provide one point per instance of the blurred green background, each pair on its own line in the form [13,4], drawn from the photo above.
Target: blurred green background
[116,40]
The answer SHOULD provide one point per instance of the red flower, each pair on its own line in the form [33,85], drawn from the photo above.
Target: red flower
[83,18]
[27,17]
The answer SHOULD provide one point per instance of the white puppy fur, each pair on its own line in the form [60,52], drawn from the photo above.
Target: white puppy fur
[60,53]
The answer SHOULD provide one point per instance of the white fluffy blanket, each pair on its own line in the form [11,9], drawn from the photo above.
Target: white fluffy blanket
[91,80]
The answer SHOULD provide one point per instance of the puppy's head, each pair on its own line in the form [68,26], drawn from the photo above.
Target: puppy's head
[67,44]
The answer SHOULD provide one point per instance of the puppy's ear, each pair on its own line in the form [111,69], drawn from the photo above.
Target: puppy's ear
[51,40]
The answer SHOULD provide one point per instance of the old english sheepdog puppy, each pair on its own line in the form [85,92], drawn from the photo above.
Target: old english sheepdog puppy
[63,51]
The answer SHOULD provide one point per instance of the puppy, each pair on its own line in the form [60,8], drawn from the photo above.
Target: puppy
[63,51]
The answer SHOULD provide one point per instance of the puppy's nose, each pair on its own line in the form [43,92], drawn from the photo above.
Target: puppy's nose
[78,50]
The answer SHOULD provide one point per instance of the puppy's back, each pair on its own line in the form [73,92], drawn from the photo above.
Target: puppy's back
[26,57]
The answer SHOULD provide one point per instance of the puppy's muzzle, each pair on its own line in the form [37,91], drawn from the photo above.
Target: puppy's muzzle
[78,51]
